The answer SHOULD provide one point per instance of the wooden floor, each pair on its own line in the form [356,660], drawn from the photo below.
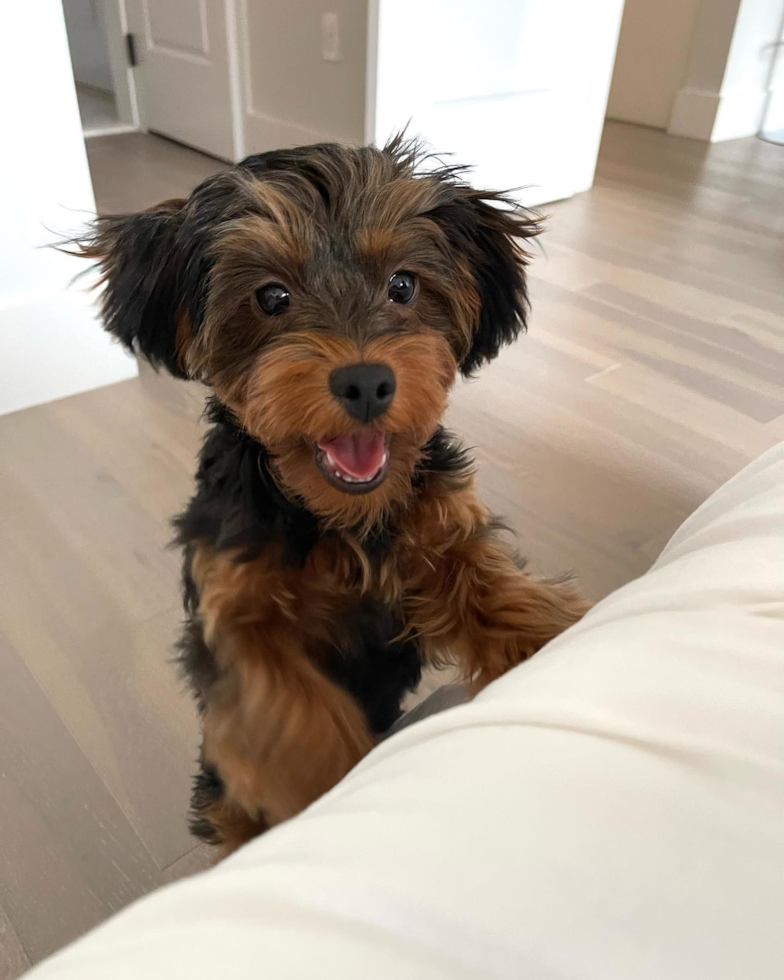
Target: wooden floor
[652,372]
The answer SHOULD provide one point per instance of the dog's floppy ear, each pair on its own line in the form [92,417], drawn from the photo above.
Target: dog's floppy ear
[141,269]
[488,230]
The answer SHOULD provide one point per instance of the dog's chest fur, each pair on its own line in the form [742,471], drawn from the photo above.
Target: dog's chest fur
[256,555]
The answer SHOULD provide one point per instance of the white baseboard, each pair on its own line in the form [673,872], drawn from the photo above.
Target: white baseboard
[264,132]
[715,116]
[110,129]
[52,346]
[694,113]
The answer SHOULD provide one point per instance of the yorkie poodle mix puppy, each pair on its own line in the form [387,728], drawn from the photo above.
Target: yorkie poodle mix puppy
[329,296]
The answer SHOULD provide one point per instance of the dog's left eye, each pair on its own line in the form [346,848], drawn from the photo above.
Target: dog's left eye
[402,287]
[273,299]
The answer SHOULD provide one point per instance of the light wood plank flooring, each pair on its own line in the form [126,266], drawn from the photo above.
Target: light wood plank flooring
[652,372]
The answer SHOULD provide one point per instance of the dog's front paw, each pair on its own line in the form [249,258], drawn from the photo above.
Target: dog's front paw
[530,616]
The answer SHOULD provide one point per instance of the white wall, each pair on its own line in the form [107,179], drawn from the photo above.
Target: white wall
[517,88]
[724,90]
[774,114]
[748,70]
[50,343]
[87,41]
[653,55]
[290,94]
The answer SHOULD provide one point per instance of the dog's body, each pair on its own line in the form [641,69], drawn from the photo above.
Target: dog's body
[329,296]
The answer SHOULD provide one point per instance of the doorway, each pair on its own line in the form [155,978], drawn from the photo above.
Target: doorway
[99,57]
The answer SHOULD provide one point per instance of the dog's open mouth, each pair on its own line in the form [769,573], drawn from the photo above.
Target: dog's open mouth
[354,463]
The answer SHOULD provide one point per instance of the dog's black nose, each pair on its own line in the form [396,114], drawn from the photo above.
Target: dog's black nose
[364,390]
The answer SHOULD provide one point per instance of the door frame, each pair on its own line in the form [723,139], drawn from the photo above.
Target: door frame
[125,92]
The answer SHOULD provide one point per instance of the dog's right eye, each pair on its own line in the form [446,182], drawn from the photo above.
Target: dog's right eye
[273,299]
[402,288]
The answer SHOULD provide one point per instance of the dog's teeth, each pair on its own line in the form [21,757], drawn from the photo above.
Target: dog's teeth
[334,467]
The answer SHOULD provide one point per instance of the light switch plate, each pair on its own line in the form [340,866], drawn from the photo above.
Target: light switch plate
[330,37]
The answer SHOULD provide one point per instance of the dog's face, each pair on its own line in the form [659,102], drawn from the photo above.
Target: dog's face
[329,296]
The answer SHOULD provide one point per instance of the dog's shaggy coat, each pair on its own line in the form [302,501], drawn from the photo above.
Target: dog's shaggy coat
[313,596]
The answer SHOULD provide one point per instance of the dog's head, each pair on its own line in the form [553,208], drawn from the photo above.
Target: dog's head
[330,296]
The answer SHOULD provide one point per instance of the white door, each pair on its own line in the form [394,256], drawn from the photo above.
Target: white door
[184,51]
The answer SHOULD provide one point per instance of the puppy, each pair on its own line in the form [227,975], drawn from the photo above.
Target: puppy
[329,296]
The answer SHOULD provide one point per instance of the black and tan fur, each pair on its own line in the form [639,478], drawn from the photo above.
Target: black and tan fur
[310,610]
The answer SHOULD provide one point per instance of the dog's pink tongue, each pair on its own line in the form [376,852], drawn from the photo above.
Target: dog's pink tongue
[359,454]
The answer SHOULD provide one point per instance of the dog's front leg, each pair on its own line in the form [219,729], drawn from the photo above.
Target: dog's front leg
[278,730]
[465,597]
